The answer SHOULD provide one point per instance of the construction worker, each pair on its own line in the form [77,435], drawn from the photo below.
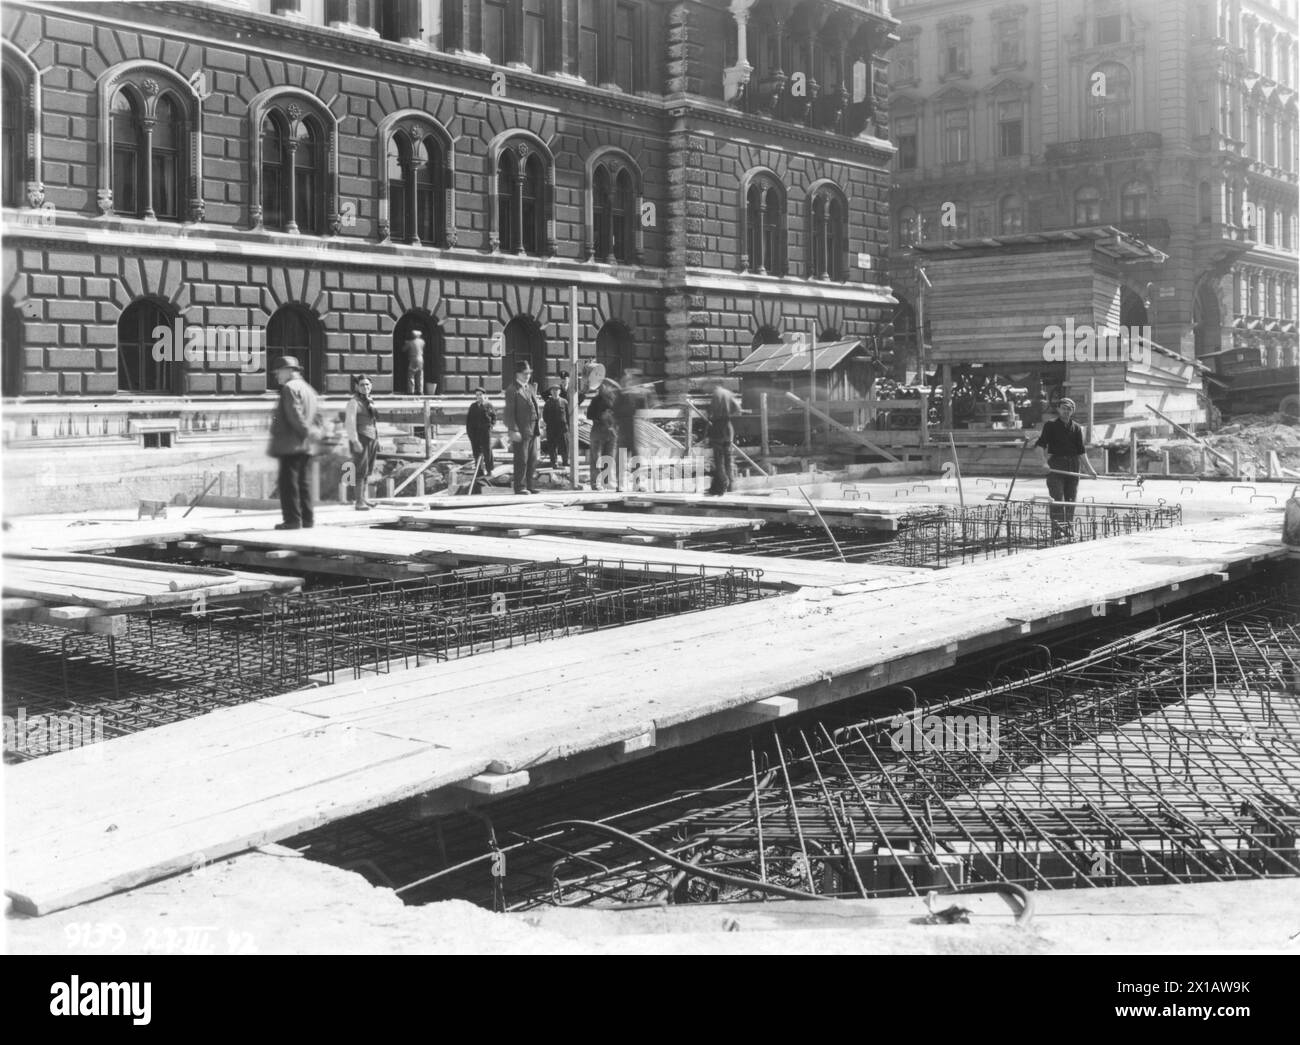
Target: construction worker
[1062,447]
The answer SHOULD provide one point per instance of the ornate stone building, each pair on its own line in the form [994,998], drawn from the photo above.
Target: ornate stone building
[329,175]
[1176,122]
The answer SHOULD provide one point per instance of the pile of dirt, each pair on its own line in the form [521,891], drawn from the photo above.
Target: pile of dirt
[1253,436]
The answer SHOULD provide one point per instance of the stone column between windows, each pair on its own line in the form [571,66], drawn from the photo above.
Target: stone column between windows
[760,239]
[517,202]
[291,225]
[149,122]
[824,257]
[413,206]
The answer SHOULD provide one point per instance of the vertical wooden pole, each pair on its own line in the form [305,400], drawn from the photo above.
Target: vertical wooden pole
[947,396]
[762,424]
[239,480]
[812,378]
[428,430]
[1133,450]
[573,390]
[1092,412]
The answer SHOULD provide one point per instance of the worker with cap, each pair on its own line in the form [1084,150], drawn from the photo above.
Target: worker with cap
[296,430]
[1062,447]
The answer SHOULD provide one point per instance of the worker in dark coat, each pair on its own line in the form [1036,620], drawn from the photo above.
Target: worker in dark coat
[604,435]
[524,422]
[478,425]
[296,430]
[723,406]
[556,415]
[1063,451]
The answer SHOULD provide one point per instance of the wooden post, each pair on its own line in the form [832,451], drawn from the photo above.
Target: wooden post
[573,392]
[922,283]
[428,433]
[1236,464]
[314,480]
[1092,400]
[239,480]
[947,396]
[762,425]
[812,379]
[1133,449]
[1166,461]
[1204,463]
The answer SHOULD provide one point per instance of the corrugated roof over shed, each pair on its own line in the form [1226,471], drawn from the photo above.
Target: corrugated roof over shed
[786,358]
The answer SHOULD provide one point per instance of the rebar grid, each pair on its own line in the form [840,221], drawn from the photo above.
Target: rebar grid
[173,665]
[946,535]
[1168,756]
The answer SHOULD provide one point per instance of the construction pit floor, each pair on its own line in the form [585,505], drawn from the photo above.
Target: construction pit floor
[193,808]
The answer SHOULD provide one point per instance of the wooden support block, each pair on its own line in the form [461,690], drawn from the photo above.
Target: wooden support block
[774,707]
[495,783]
[637,538]
[520,532]
[636,502]
[230,549]
[280,553]
[801,513]
[640,742]
[422,567]
[160,546]
[189,546]
[468,529]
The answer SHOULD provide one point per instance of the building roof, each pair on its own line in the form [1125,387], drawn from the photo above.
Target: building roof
[1107,239]
[785,358]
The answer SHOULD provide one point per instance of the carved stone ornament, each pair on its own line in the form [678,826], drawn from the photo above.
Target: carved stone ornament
[198,210]
[149,86]
[105,200]
[35,193]
[294,110]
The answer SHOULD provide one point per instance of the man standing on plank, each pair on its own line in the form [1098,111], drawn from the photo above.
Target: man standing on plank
[1062,446]
[524,421]
[296,429]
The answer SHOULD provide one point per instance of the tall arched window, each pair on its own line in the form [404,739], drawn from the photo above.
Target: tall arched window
[524,340]
[308,168]
[1087,206]
[149,152]
[294,171]
[142,325]
[13,148]
[521,202]
[416,189]
[765,227]
[829,237]
[293,331]
[1109,101]
[275,171]
[613,214]
[1133,201]
[166,151]
[435,352]
[1204,214]
[128,153]
[1011,215]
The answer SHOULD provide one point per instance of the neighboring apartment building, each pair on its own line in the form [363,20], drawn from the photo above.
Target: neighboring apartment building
[1173,121]
[329,175]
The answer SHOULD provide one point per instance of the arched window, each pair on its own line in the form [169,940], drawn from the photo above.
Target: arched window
[275,168]
[148,168]
[293,331]
[766,336]
[141,326]
[416,189]
[166,151]
[435,354]
[1133,201]
[294,171]
[521,202]
[1108,101]
[1087,206]
[909,230]
[308,168]
[13,148]
[613,215]
[615,350]
[128,153]
[765,235]
[1011,215]
[1204,211]
[524,340]
[829,237]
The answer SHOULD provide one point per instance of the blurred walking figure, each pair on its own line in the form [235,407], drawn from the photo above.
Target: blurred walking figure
[1063,451]
[361,422]
[555,413]
[723,406]
[524,421]
[296,429]
[604,435]
[413,347]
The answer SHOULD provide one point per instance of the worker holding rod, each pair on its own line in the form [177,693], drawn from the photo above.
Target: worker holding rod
[1062,447]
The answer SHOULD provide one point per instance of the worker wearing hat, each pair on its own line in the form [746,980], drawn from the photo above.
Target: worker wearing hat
[1063,452]
[296,429]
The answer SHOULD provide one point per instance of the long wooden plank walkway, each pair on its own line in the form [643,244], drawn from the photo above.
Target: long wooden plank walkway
[93,821]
